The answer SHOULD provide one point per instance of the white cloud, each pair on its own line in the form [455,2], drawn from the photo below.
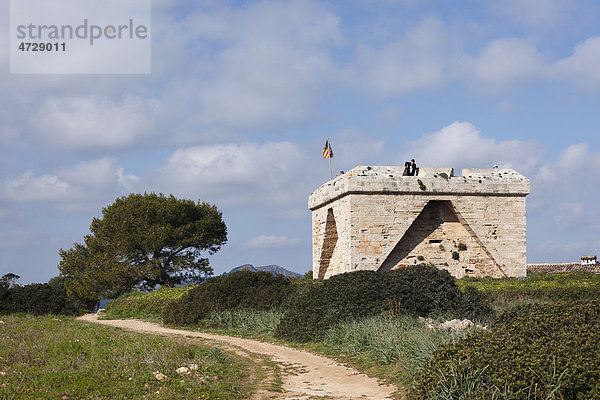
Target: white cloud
[270,242]
[41,188]
[266,63]
[461,144]
[94,122]
[531,12]
[582,67]
[163,4]
[269,173]
[504,62]
[566,189]
[9,135]
[295,213]
[560,251]
[20,237]
[573,170]
[91,181]
[129,182]
[275,64]
[570,215]
[352,148]
[421,59]
[507,106]
[564,197]
[390,115]
[97,174]
[5,38]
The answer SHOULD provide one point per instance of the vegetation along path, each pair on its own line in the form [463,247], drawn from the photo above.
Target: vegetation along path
[309,376]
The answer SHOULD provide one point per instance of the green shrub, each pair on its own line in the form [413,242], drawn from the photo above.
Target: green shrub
[509,315]
[254,321]
[455,255]
[418,290]
[544,351]
[506,300]
[132,307]
[242,289]
[39,299]
[141,305]
[462,247]
[474,306]
[403,343]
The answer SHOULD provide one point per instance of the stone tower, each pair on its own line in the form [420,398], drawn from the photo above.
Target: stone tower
[373,218]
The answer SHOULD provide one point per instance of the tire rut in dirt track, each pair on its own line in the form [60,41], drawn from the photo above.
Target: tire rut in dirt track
[312,376]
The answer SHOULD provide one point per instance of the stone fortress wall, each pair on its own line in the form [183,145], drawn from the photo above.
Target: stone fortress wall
[373,218]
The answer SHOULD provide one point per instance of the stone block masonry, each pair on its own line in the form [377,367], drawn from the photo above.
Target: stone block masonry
[373,218]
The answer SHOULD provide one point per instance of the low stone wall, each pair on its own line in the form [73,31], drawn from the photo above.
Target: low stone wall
[562,268]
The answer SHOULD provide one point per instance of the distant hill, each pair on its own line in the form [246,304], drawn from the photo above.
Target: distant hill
[274,269]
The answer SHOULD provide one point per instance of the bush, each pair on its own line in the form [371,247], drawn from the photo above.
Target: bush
[402,343]
[509,315]
[474,306]
[254,321]
[239,290]
[559,294]
[418,290]
[148,305]
[38,299]
[542,351]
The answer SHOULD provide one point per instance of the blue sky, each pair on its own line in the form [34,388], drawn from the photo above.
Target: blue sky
[242,96]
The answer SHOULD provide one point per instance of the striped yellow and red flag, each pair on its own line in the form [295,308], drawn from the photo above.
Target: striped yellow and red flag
[327,152]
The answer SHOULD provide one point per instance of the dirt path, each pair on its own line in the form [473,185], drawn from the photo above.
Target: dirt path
[312,376]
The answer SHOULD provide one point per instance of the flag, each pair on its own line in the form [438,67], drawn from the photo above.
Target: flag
[327,152]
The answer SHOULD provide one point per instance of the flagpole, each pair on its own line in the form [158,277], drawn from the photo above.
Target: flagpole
[328,153]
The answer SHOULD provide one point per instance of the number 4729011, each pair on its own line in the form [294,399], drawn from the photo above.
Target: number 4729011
[24,46]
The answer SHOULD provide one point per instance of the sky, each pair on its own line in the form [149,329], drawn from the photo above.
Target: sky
[243,94]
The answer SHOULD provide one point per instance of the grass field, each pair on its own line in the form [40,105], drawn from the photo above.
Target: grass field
[391,347]
[503,294]
[61,358]
[533,281]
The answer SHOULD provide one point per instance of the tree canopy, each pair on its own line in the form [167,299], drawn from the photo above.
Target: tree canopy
[143,239]
[37,298]
[9,280]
